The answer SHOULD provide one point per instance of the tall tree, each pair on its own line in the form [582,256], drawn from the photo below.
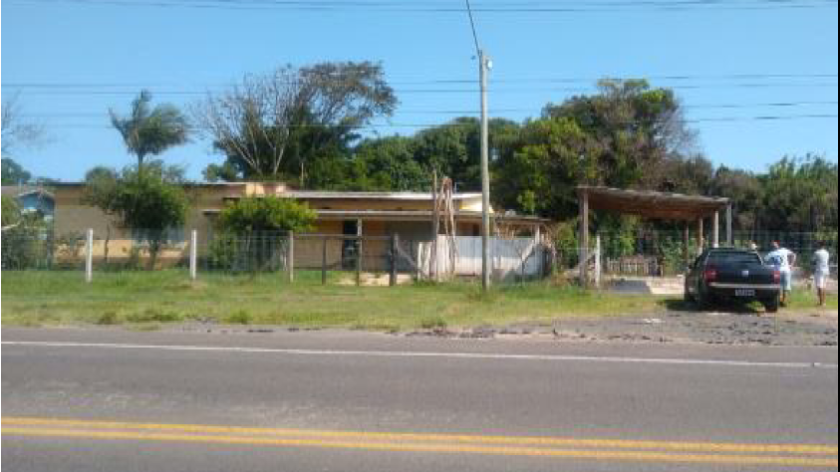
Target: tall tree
[553,156]
[746,192]
[389,164]
[636,127]
[16,130]
[13,173]
[693,175]
[149,131]
[800,194]
[627,135]
[274,126]
[454,149]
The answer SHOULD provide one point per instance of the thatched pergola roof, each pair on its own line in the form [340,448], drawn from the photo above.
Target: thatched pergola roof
[653,205]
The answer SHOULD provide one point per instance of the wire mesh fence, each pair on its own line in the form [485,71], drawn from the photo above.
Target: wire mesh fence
[669,253]
[373,260]
[245,253]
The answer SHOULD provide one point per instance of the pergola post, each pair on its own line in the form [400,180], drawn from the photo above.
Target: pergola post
[687,244]
[701,236]
[730,235]
[584,238]
[716,230]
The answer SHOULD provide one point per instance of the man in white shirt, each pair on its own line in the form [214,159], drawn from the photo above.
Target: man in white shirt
[822,271]
[784,260]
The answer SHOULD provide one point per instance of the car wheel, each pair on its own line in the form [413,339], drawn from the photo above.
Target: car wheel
[702,301]
[772,306]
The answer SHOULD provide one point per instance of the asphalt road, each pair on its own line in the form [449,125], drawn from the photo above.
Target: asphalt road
[109,400]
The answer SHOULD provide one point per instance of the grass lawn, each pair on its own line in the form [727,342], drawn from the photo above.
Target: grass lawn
[144,300]
[804,300]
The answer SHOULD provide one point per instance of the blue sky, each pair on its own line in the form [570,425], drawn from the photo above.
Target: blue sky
[72,60]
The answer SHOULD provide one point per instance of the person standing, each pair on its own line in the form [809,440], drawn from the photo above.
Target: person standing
[784,260]
[822,272]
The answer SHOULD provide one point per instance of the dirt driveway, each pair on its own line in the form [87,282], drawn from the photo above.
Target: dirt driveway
[682,325]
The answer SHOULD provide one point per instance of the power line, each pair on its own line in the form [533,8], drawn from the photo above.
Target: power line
[469,113]
[406,6]
[421,126]
[474,30]
[453,81]
[432,91]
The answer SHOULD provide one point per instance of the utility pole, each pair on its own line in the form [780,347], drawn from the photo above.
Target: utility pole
[485,64]
[485,172]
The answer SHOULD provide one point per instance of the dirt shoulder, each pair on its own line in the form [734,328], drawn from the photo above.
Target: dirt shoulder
[799,328]
[802,328]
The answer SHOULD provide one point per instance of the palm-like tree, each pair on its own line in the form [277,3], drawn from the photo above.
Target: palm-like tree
[148,131]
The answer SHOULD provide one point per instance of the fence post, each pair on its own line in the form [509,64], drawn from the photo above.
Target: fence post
[89,257]
[359,253]
[324,263]
[394,259]
[290,257]
[194,255]
[598,262]
[584,239]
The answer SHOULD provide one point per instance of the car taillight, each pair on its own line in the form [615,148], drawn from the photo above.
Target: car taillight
[710,275]
[777,277]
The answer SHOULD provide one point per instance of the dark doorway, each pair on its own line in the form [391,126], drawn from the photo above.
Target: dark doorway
[350,247]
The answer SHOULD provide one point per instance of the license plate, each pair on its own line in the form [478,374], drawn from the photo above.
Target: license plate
[744,293]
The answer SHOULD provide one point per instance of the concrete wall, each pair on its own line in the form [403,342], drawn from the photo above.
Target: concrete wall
[510,257]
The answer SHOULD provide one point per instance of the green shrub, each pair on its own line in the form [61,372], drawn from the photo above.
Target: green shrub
[109,318]
[269,214]
[154,315]
[240,317]
[434,322]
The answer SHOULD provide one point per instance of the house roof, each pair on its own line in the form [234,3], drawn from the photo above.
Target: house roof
[23,190]
[413,215]
[186,184]
[654,205]
[319,195]
[381,196]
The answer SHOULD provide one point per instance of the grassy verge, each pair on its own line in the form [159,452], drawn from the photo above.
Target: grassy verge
[149,300]
[141,300]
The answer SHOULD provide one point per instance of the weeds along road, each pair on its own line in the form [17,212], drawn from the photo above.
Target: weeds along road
[105,400]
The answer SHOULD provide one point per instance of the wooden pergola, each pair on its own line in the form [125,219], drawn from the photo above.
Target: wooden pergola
[655,206]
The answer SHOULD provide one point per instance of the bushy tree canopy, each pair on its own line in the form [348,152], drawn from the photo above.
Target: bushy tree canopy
[10,211]
[14,173]
[149,200]
[266,214]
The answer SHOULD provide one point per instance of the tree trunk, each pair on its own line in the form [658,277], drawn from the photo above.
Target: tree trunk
[107,242]
[140,159]
[154,249]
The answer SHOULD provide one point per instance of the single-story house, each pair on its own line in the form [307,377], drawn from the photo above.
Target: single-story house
[371,214]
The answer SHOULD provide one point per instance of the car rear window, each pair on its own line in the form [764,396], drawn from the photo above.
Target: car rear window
[739,258]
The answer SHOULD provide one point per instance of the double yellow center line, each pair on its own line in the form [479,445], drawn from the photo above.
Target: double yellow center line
[802,456]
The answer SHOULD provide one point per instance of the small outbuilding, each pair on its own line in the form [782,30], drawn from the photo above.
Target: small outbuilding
[692,210]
